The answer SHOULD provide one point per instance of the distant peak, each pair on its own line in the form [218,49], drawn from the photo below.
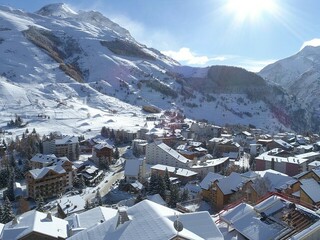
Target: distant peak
[57,10]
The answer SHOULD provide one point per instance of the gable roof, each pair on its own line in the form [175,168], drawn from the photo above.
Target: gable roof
[71,204]
[312,188]
[91,217]
[209,179]
[148,220]
[39,173]
[173,153]
[34,221]
[230,183]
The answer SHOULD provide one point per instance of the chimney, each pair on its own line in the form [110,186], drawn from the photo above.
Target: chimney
[15,221]
[123,216]
[49,216]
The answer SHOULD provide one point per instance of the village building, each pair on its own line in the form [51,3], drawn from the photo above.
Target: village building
[63,146]
[91,175]
[102,154]
[68,205]
[160,153]
[139,146]
[33,225]
[183,175]
[53,179]
[204,131]
[281,161]
[216,165]
[274,217]
[148,220]
[135,170]
[85,220]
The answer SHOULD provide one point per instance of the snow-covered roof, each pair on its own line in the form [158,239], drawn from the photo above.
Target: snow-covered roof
[232,155]
[173,153]
[71,204]
[67,140]
[270,156]
[137,185]
[37,222]
[308,155]
[91,217]
[247,222]
[177,171]
[149,220]
[230,183]
[283,143]
[39,173]
[100,146]
[209,179]
[312,188]
[157,199]
[316,171]
[314,164]
[270,205]
[276,179]
[210,163]
[132,167]
[250,174]
[42,158]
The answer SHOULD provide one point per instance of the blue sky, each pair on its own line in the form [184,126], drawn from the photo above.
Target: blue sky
[209,32]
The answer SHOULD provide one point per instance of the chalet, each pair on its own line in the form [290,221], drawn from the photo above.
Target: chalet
[92,175]
[225,188]
[35,225]
[102,154]
[132,223]
[51,180]
[206,185]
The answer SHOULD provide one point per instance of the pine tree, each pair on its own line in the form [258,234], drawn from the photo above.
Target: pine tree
[8,214]
[161,186]
[116,153]
[1,214]
[10,186]
[185,195]
[167,180]
[174,196]
[152,188]
[40,204]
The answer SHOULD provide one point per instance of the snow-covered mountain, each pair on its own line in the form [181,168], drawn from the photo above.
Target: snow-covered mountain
[85,71]
[299,75]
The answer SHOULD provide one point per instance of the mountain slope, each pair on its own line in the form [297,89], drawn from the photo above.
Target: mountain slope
[80,64]
[299,75]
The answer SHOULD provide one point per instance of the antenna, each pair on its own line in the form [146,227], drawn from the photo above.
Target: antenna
[177,224]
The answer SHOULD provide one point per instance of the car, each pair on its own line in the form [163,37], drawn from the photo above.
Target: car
[106,181]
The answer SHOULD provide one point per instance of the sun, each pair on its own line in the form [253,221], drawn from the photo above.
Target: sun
[250,10]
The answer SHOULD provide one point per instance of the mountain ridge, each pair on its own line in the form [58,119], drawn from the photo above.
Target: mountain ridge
[116,74]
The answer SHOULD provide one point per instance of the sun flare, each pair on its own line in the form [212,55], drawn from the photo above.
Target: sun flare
[252,10]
